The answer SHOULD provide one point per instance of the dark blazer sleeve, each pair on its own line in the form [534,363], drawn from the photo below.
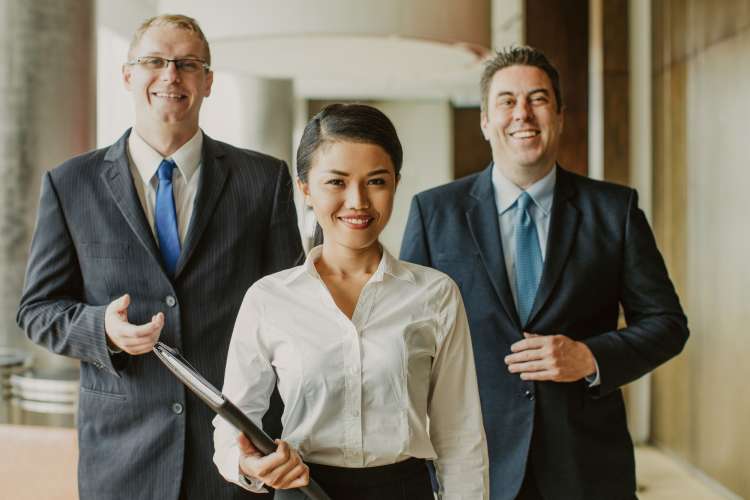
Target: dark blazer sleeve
[414,246]
[283,248]
[52,311]
[657,327]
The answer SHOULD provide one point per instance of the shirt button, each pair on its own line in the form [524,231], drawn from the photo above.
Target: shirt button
[355,413]
[177,408]
[529,395]
[170,300]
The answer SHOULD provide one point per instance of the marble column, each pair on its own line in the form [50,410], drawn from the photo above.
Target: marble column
[508,22]
[47,110]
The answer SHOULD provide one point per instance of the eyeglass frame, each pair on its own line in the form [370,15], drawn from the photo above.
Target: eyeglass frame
[137,61]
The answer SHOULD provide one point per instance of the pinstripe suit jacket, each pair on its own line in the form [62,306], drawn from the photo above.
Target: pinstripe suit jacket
[140,435]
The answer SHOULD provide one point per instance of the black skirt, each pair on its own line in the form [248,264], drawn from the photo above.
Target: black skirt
[407,480]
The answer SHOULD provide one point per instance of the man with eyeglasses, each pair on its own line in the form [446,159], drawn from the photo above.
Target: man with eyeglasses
[155,237]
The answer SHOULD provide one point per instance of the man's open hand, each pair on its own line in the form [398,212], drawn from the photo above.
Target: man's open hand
[133,339]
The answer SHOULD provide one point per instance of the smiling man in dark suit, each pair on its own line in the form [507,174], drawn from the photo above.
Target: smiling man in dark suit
[155,237]
[545,259]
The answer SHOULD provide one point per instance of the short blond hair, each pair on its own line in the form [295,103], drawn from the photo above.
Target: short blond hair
[174,21]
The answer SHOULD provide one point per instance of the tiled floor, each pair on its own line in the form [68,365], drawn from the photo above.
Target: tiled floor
[660,478]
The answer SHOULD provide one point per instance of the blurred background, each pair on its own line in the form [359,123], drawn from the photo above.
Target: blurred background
[657,95]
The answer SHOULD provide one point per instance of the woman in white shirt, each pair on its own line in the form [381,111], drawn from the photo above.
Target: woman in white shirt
[371,355]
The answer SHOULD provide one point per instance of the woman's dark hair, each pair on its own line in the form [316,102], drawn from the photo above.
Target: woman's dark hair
[351,123]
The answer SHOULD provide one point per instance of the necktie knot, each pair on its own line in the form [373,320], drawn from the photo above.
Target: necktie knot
[166,169]
[524,200]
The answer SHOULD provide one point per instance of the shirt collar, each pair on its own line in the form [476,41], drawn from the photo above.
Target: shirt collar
[506,193]
[393,267]
[147,159]
[388,265]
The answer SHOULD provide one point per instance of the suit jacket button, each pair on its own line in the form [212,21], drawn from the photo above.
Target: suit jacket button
[177,408]
[171,301]
[529,395]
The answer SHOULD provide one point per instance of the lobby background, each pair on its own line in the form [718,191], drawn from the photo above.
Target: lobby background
[656,96]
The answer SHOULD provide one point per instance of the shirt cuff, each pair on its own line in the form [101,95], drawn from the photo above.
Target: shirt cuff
[111,348]
[112,351]
[250,484]
[594,379]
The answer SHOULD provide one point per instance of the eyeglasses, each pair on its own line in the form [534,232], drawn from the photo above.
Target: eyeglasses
[156,63]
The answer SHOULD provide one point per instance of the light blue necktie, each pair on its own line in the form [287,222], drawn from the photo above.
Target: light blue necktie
[528,258]
[165,217]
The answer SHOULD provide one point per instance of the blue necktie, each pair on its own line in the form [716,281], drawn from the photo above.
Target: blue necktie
[165,217]
[528,258]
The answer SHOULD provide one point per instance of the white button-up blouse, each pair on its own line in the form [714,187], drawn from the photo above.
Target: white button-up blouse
[396,381]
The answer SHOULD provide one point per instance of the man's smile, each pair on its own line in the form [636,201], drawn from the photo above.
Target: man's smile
[525,134]
[169,95]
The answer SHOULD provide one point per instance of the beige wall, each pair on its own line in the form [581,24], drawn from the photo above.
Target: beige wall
[701,190]
[425,129]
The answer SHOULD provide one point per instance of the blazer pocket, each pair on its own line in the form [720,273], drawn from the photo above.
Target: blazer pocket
[105,250]
[103,394]
[609,408]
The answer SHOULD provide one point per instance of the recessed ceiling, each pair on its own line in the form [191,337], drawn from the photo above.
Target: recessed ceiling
[357,66]
[345,48]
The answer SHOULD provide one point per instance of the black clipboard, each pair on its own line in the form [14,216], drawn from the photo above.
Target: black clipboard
[222,406]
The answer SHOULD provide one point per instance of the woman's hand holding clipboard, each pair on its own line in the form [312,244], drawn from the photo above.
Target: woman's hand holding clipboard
[222,406]
[283,469]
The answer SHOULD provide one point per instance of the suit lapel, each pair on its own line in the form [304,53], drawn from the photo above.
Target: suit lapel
[482,219]
[213,176]
[562,231]
[116,176]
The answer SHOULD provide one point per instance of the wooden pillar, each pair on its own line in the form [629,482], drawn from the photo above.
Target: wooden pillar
[560,30]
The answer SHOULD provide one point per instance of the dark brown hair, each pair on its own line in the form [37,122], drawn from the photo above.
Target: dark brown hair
[519,56]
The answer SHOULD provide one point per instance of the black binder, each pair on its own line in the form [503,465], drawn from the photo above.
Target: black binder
[221,405]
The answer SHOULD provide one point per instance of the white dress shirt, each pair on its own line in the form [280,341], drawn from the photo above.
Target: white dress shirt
[396,381]
[144,164]
[542,194]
